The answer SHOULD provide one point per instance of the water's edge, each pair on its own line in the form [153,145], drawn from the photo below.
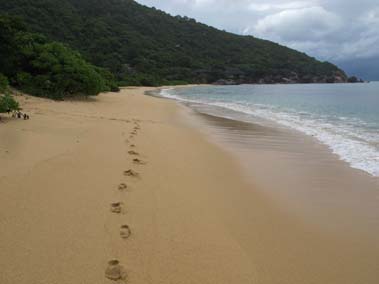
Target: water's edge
[358,154]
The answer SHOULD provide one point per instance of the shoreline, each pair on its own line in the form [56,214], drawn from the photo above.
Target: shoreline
[334,138]
[194,216]
[315,184]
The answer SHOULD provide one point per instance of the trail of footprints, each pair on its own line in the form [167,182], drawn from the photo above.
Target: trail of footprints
[115,271]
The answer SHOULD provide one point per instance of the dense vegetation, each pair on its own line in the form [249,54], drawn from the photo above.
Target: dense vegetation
[7,102]
[46,68]
[144,46]
[3,83]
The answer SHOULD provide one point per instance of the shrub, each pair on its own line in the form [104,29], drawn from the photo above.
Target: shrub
[8,103]
[3,83]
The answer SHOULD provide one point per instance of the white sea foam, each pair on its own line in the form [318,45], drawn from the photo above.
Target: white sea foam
[344,136]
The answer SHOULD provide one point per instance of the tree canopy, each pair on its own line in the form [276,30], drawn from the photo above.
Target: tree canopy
[3,83]
[46,68]
[7,102]
[145,46]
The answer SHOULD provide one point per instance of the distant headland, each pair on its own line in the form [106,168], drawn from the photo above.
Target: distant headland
[123,43]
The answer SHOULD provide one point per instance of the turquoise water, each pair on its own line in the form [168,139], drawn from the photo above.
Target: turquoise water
[345,117]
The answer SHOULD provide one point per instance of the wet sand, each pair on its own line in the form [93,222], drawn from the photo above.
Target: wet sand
[194,214]
[336,205]
[314,182]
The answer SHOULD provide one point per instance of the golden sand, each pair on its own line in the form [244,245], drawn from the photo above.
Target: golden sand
[188,214]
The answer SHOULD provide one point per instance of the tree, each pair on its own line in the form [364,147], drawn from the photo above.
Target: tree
[3,83]
[8,103]
[46,68]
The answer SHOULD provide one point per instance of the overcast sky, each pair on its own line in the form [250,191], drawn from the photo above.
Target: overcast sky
[339,31]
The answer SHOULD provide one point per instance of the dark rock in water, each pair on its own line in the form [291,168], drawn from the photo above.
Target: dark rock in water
[354,79]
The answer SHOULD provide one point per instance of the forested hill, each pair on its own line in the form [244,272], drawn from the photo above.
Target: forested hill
[145,46]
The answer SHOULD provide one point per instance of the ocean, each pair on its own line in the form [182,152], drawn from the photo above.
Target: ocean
[345,117]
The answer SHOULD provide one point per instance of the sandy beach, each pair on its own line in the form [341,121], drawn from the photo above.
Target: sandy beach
[194,216]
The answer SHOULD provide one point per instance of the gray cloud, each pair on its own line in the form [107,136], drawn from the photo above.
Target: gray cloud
[334,30]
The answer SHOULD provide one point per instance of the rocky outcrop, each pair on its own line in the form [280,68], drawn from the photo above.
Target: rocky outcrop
[354,79]
[291,78]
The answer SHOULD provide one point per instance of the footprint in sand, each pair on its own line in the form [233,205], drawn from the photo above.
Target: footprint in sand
[134,153]
[122,186]
[139,162]
[125,231]
[132,146]
[115,271]
[116,207]
[131,173]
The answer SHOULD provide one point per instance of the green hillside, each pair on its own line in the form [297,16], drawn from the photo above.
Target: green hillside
[145,46]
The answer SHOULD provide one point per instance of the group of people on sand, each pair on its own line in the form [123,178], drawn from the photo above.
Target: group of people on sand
[19,114]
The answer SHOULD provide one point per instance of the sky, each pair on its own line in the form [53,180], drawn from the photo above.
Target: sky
[345,32]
